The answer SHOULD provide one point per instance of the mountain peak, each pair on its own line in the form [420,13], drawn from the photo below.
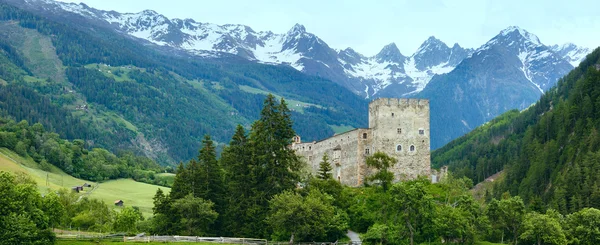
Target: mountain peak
[432,43]
[297,29]
[511,30]
[390,53]
[149,12]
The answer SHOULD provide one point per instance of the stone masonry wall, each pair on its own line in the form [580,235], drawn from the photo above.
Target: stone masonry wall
[401,129]
[346,155]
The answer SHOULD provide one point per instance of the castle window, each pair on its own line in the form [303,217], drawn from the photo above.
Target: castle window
[399,148]
[392,114]
[309,158]
[399,130]
[421,131]
[364,135]
[310,148]
[367,151]
[412,148]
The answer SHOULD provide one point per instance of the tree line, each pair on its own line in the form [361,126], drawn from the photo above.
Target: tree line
[74,157]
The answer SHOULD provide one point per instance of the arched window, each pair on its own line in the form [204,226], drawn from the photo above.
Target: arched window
[412,148]
[399,148]
[364,135]
[392,114]
[310,148]
[367,151]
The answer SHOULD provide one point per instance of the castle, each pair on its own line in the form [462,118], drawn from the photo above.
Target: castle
[397,127]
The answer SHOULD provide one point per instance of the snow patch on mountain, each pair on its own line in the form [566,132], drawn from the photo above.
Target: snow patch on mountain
[571,52]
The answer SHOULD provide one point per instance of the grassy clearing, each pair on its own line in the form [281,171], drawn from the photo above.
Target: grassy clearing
[119,73]
[132,193]
[338,129]
[295,105]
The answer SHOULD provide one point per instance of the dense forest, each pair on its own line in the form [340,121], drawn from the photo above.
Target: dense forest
[549,152]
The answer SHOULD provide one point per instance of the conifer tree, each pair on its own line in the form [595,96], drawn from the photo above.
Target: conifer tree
[237,165]
[210,179]
[210,173]
[271,135]
[325,168]
[181,186]
[276,165]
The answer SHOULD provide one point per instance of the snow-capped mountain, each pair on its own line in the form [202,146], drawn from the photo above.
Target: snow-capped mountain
[388,72]
[510,71]
[571,52]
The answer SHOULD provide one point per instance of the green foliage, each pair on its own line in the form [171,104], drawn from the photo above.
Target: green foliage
[583,227]
[543,228]
[382,162]
[52,206]
[325,168]
[22,216]
[196,215]
[126,220]
[507,214]
[308,218]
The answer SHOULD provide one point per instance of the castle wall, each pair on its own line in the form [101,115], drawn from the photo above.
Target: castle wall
[346,153]
[404,123]
[392,123]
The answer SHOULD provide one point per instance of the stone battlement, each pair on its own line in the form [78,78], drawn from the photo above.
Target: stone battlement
[399,102]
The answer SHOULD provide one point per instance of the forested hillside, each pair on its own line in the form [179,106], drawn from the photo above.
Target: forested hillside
[550,151]
[119,94]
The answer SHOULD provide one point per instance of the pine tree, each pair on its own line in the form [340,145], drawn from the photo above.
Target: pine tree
[237,165]
[271,135]
[325,168]
[181,186]
[276,166]
[210,179]
[211,173]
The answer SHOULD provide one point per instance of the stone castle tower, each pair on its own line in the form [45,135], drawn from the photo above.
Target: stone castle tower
[397,127]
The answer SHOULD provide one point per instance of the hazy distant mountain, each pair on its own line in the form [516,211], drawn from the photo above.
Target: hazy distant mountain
[510,71]
[571,52]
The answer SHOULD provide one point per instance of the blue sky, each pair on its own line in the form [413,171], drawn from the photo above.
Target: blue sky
[367,26]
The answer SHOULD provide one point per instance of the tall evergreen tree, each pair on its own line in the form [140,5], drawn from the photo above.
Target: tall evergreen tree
[277,165]
[211,173]
[325,168]
[210,179]
[181,186]
[237,165]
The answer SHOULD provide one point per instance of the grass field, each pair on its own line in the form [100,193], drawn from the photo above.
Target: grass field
[292,104]
[132,193]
